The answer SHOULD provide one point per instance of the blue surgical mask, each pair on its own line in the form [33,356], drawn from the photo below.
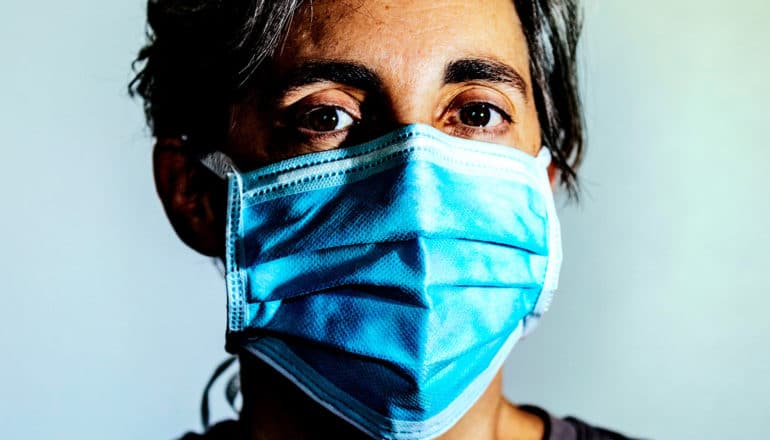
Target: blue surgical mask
[390,280]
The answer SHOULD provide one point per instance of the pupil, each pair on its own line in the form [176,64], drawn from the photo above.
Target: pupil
[324,119]
[475,115]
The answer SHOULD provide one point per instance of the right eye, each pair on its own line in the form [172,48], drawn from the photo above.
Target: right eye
[326,119]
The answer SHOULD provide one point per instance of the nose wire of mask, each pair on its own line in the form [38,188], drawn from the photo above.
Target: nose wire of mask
[390,280]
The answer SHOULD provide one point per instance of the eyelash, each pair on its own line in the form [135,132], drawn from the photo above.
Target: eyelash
[457,127]
[485,132]
[307,136]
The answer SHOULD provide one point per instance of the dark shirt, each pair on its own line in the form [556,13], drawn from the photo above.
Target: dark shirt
[568,428]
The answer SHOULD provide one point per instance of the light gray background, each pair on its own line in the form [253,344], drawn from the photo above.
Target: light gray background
[110,327]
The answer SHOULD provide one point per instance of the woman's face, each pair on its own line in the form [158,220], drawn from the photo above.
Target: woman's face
[350,71]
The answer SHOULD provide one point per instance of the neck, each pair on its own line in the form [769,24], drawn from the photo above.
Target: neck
[273,408]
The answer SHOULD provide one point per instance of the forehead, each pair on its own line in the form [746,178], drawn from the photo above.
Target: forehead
[400,39]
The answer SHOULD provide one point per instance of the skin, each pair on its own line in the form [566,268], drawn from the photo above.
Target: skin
[407,45]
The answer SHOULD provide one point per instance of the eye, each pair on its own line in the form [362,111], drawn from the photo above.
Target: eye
[326,118]
[480,114]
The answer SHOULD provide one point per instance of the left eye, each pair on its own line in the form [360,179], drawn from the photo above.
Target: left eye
[327,118]
[480,114]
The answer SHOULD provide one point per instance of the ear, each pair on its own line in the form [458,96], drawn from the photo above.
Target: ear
[193,197]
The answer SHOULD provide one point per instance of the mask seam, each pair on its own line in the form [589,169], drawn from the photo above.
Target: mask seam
[376,146]
[235,290]
[530,179]
[552,265]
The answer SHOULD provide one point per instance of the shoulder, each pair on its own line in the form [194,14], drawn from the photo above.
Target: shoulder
[221,431]
[570,428]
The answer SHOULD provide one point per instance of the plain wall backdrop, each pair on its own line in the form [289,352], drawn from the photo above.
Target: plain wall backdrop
[110,326]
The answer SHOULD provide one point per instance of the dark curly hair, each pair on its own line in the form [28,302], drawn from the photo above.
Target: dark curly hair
[202,55]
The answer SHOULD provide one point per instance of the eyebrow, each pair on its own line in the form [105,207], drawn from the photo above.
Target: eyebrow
[341,72]
[361,77]
[483,69]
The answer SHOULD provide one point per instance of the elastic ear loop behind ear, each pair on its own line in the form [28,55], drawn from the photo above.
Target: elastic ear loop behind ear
[232,389]
[544,157]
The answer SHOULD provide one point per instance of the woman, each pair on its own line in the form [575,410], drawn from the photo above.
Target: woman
[377,177]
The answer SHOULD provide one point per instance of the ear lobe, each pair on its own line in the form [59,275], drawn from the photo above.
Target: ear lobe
[193,198]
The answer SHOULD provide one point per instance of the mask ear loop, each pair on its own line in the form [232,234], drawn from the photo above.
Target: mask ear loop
[231,392]
[544,157]
[218,163]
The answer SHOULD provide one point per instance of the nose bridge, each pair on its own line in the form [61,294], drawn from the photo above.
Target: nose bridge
[410,93]
[409,105]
